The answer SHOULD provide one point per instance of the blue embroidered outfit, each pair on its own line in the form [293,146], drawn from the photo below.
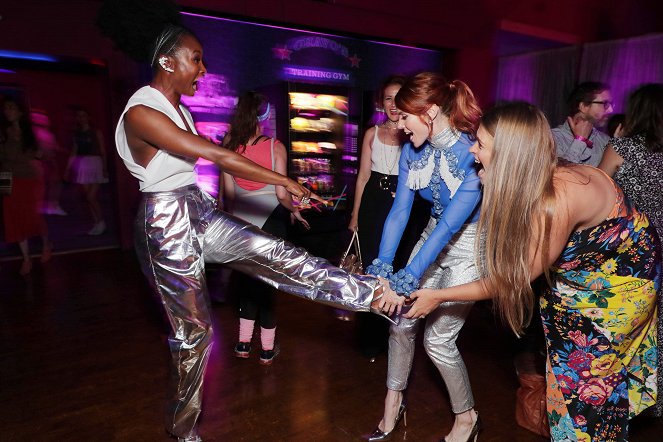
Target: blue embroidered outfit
[444,176]
[443,172]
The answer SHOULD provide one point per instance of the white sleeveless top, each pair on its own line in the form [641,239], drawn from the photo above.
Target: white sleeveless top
[165,171]
[384,157]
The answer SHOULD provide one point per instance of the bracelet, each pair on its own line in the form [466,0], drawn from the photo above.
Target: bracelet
[379,268]
[584,140]
[404,283]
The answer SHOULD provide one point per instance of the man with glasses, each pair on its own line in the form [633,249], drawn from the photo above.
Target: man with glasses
[578,140]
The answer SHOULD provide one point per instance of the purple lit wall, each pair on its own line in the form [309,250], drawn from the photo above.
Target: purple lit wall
[252,56]
[624,65]
[545,78]
[242,56]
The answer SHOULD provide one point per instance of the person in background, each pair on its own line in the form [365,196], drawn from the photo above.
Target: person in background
[19,154]
[267,206]
[635,161]
[441,118]
[374,196]
[578,139]
[615,126]
[41,125]
[602,258]
[87,166]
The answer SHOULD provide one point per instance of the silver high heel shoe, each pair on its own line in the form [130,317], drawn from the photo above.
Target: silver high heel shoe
[379,435]
[474,434]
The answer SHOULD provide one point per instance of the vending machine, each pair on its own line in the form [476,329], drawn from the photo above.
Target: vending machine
[319,126]
[323,128]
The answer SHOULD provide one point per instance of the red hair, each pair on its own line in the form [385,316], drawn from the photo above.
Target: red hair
[455,100]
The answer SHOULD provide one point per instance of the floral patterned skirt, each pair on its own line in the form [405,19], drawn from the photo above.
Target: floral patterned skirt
[600,325]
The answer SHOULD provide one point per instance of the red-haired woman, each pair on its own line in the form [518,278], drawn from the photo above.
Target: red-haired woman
[441,119]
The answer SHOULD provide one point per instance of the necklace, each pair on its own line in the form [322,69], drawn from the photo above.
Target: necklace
[384,181]
[391,132]
[389,124]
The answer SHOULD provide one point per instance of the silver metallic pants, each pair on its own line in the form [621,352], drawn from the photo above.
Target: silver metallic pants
[175,232]
[455,265]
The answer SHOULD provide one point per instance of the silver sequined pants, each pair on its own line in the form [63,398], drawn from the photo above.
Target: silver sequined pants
[175,233]
[455,265]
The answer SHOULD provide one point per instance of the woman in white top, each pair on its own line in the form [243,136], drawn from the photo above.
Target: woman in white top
[374,195]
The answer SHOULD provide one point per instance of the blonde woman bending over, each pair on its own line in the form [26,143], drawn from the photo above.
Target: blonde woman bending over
[601,256]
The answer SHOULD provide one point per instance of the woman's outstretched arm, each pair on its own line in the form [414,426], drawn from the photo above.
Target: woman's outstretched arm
[148,129]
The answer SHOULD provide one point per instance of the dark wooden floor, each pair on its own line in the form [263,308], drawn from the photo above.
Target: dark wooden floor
[83,358]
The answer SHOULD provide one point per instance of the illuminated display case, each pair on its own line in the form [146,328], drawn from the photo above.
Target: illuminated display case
[322,141]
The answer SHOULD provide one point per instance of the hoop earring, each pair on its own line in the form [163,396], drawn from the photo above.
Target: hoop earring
[162,62]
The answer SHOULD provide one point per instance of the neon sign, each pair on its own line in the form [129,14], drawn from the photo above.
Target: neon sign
[297,44]
[308,73]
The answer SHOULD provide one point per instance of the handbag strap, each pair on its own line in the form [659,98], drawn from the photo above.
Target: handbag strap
[354,241]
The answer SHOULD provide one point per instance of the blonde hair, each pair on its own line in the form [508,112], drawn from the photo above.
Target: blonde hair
[518,195]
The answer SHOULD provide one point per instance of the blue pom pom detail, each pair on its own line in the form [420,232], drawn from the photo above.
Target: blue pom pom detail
[379,268]
[404,283]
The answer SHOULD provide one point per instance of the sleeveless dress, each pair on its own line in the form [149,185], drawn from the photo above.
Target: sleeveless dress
[600,324]
[641,177]
[377,199]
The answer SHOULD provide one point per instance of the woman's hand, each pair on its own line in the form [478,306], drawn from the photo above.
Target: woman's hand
[302,194]
[354,224]
[296,215]
[424,301]
[389,302]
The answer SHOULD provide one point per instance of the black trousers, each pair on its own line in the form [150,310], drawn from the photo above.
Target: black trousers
[257,299]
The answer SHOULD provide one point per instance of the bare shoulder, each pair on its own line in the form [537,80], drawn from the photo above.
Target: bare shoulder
[136,115]
[586,193]
[279,149]
[150,125]
[370,133]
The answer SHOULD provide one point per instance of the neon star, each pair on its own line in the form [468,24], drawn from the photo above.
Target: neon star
[282,53]
[354,61]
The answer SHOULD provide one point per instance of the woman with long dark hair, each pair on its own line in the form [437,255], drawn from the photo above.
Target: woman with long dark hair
[264,205]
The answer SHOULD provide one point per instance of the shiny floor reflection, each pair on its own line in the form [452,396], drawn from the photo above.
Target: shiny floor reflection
[84,358]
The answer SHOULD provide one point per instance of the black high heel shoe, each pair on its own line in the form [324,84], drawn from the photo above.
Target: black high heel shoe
[474,434]
[379,435]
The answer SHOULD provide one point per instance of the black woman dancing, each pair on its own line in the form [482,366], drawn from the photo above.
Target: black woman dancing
[177,225]
[440,118]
